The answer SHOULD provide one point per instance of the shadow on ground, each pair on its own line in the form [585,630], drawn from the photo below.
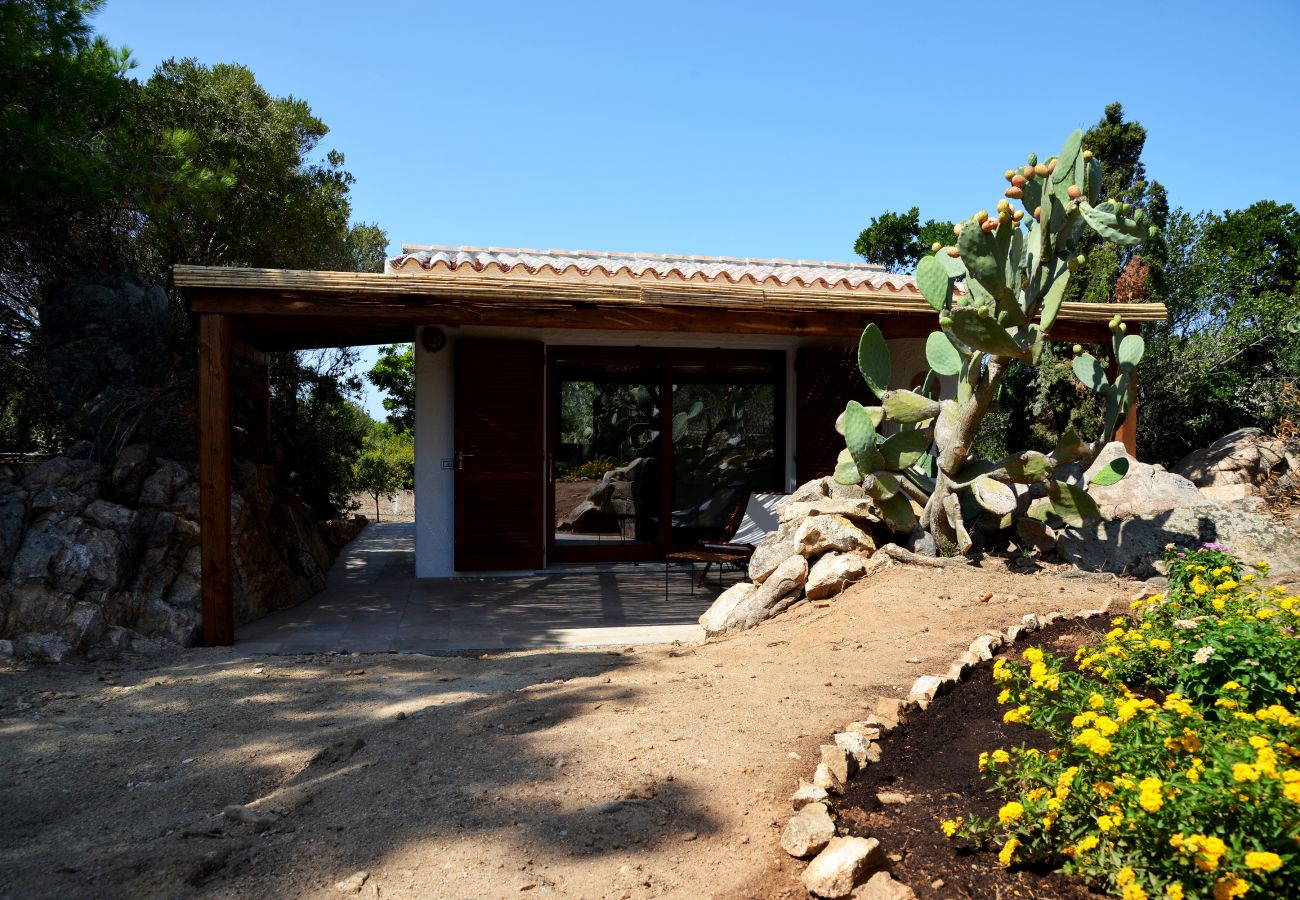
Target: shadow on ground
[116,789]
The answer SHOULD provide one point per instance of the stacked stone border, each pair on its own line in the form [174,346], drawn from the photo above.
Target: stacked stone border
[858,867]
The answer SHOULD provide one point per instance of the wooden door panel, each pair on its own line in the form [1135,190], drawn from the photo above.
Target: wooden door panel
[500,479]
[826,379]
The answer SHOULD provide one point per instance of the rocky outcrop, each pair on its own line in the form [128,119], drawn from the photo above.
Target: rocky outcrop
[112,370]
[1134,546]
[1235,465]
[94,555]
[1145,490]
[1150,508]
[821,546]
[611,501]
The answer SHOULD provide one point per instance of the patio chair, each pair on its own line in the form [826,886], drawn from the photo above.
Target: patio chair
[752,519]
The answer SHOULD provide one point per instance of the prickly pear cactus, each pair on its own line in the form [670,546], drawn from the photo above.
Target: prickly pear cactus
[997,292]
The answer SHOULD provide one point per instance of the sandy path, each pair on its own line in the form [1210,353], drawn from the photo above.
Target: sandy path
[663,771]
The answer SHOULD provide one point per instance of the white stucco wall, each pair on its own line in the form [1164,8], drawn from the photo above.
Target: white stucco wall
[434,414]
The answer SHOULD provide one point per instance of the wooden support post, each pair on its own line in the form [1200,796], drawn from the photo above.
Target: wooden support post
[218,602]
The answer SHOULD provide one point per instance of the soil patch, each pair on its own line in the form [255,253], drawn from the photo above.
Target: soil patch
[933,762]
[654,772]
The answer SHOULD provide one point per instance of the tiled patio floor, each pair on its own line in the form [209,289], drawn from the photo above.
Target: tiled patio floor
[373,603]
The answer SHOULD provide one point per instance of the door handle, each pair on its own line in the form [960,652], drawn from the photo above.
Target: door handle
[460,459]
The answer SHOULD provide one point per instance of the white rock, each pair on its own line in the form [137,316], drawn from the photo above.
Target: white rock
[808,832]
[985,645]
[825,779]
[869,730]
[714,620]
[822,534]
[838,760]
[842,865]
[1030,622]
[808,793]
[860,510]
[857,746]
[834,572]
[927,686]
[883,886]
[352,884]
[1014,633]
[780,590]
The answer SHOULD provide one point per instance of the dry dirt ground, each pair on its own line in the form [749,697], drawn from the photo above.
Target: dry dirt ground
[655,772]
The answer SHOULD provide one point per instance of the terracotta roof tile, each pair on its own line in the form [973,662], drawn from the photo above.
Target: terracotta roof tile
[661,266]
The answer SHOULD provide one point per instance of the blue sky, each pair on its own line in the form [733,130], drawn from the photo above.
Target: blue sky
[760,129]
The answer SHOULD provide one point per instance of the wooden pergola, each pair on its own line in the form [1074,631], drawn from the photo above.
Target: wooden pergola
[250,311]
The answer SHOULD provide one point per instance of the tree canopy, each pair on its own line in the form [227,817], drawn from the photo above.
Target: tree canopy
[394,374]
[1232,286]
[897,240]
[195,164]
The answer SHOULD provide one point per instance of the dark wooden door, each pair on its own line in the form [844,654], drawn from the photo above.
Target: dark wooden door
[826,379]
[500,473]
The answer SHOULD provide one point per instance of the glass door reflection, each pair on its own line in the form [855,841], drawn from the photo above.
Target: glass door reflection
[607,463]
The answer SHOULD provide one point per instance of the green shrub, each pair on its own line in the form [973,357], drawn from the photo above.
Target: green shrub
[592,468]
[1172,771]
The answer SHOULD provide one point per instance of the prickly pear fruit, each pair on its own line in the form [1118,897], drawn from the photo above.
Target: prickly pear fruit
[1041,170]
[1018,181]
[1087,155]
[1038,212]
[989,224]
[981,216]
[1074,192]
[954,252]
[956,229]
[1033,159]
[1014,193]
[1010,173]
[1003,206]
[1078,348]
[936,247]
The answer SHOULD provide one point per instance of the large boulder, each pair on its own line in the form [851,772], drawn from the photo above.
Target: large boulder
[715,618]
[112,372]
[773,550]
[740,609]
[1146,489]
[834,572]
[1135,545]
[1234,465]
[860,510]
[826,534]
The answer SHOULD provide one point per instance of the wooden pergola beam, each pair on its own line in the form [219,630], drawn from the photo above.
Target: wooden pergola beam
[215,533]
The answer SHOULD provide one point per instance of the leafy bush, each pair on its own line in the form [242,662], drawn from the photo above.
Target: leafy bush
[592,468]
[1193,792]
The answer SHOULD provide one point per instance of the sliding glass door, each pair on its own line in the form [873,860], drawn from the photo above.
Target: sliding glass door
[623,484]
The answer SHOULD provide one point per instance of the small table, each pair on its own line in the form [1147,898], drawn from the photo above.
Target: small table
[710,555]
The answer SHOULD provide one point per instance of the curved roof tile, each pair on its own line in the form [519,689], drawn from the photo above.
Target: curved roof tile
[661,266]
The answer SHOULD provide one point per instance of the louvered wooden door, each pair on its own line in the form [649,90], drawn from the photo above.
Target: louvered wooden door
[500,472]
[826,379]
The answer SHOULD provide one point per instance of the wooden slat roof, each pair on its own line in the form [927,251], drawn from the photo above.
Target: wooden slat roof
[321,306]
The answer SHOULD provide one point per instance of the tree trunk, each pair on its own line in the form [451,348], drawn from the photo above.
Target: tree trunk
[934,519]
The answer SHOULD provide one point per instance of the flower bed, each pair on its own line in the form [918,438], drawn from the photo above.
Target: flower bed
[1170,768]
